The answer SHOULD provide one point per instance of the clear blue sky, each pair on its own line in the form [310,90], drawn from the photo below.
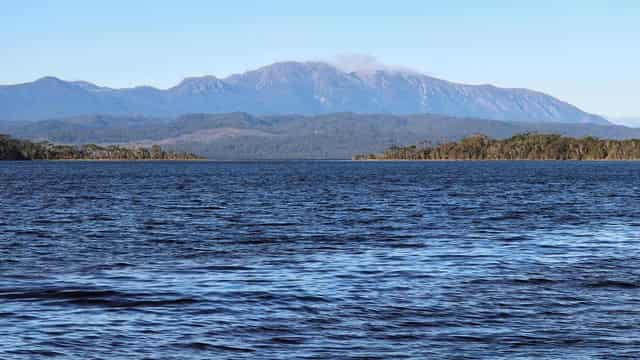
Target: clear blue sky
[586,52]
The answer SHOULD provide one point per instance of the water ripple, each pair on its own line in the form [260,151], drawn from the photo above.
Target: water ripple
[317,260]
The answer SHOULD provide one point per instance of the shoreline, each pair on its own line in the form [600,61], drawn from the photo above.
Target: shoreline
[320,160]
[492,160]
[100,160]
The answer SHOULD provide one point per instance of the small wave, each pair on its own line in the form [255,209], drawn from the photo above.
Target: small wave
[526,281]
[52,294]
[367,221]
[401,337]
[290,340]
[514,238]
[92,297]
[360,209]
[311,298]
[125,303]
[270,225]
[407,245]
[508,216]
[203,346]
[225,268]
[419,324]
[57,221]
[534,281]
[37,353]
[103,267]
[100,218]
[31,232]
[614,284]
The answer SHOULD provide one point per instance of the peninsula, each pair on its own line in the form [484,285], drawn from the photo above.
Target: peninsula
[526,146]
[16,149]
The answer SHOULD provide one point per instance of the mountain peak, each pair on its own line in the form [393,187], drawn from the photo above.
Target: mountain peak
[200,85]
[291,69]
[49,80]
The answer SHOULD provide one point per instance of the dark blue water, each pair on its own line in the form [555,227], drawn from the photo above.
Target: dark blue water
[320,260]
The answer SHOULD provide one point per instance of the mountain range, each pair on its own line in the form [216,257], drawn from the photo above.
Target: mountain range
[306,88]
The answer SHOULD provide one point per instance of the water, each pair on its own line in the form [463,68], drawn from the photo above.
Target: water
[320,260]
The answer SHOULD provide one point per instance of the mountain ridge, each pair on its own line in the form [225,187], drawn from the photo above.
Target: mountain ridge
[309,88]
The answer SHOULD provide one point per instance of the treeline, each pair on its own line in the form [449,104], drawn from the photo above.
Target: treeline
[236,136]
[526,146]
[15,149]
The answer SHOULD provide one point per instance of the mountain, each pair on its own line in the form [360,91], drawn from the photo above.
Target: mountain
[235,136]
[309,88]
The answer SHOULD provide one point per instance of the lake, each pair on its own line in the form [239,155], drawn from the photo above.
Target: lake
[319,260]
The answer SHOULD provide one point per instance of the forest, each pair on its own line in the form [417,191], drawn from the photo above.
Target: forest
[525,146]
[16,149]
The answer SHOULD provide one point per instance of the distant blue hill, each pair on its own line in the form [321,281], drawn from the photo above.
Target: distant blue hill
[308,88]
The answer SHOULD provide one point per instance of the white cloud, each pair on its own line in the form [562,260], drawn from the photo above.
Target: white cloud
[364,63]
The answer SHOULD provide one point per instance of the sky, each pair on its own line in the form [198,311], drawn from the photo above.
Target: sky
[585,52]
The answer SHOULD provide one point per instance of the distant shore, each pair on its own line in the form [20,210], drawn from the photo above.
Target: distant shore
[521,147]
[121,160]
[492,160]
[17,150]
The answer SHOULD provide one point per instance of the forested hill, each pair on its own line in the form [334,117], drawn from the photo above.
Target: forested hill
[15,149]
[527,146]
[242,136]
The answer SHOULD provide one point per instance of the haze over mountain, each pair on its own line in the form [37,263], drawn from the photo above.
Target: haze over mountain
[308,88]
[626,121]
